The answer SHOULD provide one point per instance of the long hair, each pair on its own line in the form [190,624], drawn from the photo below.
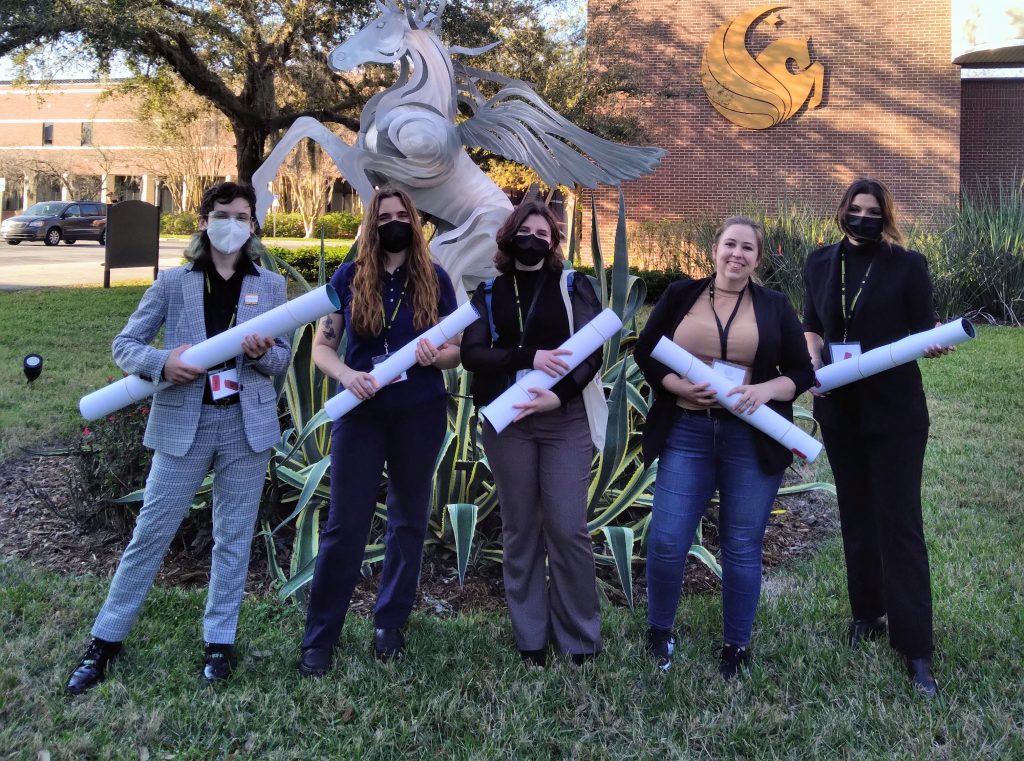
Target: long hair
[875,188]
[504,259]
[226,192]
[422,289]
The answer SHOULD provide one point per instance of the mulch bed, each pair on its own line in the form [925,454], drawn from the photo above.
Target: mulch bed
[46,522]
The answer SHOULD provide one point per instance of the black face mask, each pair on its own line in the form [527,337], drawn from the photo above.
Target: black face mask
[395,236]
[864,229]
[531,250]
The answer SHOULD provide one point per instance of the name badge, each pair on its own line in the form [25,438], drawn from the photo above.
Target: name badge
[223,383]
[380,358]
[252,299]
[841,351]
[737,374]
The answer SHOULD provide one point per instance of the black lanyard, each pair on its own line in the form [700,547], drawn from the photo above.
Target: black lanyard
[394,313]
[723,333]
[848,312]
[519,307]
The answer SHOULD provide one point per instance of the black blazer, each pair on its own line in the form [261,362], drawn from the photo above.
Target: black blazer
[895,302]
[781,350]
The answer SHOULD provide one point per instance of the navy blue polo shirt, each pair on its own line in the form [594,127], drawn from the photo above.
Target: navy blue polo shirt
[424,383]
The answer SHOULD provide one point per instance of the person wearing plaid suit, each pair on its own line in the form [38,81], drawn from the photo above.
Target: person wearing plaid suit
[195,427]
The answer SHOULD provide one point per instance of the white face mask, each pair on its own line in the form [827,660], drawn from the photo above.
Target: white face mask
[228,235]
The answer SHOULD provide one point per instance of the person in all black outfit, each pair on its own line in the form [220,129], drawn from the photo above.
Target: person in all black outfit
[751,334]
[541,462]
[863,292]
[390,294]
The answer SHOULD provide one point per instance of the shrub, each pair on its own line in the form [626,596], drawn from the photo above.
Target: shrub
[306,260]
[181,223]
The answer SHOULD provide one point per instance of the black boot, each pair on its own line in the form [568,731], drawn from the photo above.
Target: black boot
[388,643]
[315,661]
[538,658]
[920,670]
[661,644]
[865,630]
[219,663]
[92,669]
[732,659]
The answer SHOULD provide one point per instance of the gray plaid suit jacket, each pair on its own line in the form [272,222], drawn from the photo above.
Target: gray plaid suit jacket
[175,301]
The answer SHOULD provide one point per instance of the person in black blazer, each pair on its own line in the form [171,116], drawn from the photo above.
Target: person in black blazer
[753,334]
[863,292]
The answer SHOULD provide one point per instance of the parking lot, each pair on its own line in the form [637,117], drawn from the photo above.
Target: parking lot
[34,264]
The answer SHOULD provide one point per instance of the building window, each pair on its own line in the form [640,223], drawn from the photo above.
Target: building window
[86,133]
[47,134]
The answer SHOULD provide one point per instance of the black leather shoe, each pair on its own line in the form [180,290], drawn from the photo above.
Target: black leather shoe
[579,659]
[866,630]
[316,661]
[920,670]
[220,662]
[388,643]
[661,644]
[733,658]
[92,669]
[537,658]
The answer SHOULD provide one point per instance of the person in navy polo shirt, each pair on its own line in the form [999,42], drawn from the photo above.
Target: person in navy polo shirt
[390,294]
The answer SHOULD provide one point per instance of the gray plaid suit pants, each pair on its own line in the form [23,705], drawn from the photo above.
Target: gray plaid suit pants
[239,473]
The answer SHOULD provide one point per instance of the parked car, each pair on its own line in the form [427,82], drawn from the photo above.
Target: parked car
[56,221]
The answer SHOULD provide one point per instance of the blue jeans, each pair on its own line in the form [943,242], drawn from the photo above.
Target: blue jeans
[702,454]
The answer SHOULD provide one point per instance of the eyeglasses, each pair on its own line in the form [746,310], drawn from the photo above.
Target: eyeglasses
[241,217]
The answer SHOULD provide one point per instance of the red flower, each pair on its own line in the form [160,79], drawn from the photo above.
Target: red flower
[110,379]
[87,432]
[110,418]
[144,411]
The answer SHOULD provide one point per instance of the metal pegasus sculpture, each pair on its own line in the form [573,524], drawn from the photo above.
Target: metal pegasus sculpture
[408,137]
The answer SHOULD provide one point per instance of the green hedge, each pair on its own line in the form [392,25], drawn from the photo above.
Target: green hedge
[335,224]
[656,280]
[307,259]
[182,223]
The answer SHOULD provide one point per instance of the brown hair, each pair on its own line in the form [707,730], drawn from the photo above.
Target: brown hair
[422,288]
[746,222]
[504,259]
[876,188]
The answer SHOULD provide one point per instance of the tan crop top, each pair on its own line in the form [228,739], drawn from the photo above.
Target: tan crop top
[698,333]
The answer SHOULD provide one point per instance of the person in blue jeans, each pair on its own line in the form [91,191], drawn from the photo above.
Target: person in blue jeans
[752,335]
[389,295]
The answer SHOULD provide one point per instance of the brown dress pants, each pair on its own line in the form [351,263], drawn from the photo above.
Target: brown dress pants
[541,467]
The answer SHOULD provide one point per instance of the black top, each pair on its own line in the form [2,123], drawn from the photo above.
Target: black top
[423,383]
[546,326]
[896,301]
[220,301]
[781,350]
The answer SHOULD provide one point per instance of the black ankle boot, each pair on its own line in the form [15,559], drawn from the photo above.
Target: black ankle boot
[865,630]
[661,644]
[537,658]
[92,668]
[920,670]
[732,659]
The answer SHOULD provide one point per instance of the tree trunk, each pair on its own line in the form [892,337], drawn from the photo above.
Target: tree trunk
[250,144]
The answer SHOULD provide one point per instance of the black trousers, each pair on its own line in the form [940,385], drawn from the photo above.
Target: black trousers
[878,482]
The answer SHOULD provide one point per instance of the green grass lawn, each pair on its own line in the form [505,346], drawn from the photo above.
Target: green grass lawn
[462,692]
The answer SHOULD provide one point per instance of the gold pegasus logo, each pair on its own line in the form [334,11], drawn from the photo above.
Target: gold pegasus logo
[758,93]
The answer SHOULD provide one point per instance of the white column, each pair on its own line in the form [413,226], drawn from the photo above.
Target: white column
[184,195]
[147,188]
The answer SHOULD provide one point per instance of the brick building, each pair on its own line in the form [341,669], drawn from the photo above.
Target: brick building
[893,103]
[76,139]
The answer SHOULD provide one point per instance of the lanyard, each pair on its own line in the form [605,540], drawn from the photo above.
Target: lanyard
[519,307]
[388,322]
[848,313]
[723,333]
[234,312]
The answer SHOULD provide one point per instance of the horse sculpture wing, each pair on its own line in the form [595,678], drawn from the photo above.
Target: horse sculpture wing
[518,125]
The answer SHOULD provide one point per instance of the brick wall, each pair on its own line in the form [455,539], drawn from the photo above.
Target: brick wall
[891,107]
[991,132]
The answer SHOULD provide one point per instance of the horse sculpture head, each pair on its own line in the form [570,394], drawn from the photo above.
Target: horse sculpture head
[383,39]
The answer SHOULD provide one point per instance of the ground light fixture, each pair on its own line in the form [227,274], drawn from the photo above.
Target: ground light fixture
[32,365]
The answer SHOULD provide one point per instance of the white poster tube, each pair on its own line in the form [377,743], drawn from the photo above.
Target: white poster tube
[279,321]
[582,344]
[402,359]
[764,418]
[892,355]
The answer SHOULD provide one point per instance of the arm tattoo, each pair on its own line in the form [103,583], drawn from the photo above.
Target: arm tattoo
[327,326]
